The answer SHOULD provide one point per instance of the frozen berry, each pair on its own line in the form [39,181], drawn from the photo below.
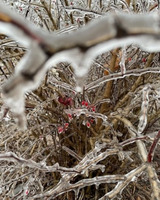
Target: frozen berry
[66,125]
[88,124]
[60,129]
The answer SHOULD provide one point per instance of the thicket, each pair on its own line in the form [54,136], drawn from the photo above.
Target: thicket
[99,143]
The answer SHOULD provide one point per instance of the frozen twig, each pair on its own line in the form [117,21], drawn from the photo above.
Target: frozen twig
[12,157]
[89,162]
[153,147]
[83,10]
[122,184]
[119,75]
[112,30]
[155,183]
[78,112]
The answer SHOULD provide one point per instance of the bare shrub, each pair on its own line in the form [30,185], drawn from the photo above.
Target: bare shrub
[80,106]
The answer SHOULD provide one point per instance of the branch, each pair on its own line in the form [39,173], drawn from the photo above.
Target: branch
[89,162]
[78,48]
[119,75]
[155,183]
[12,157]
[122,184]
[153,147]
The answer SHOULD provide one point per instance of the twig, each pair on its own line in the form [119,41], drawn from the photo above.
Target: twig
[153,147]
[144,156]
[12,157]
[122,184]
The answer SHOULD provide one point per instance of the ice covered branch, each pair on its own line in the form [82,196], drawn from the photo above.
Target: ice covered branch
[122,184]
[155,183]
[78,48]
[88,163]
[12,157]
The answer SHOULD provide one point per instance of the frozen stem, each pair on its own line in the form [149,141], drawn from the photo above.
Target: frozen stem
[12,157]
[144,157]
[129,177]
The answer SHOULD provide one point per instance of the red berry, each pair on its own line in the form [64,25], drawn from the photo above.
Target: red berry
[93,108]
[60,129]
[143,59]
[60,99]
[92,121]
[69,115]
[86,103]
[67,101]
[66,125]
[27,192]
[83,103]
[88,124]
[129,59]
